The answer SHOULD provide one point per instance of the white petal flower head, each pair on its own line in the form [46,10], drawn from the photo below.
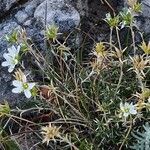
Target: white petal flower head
[11,58]
[127,109]
[23,86]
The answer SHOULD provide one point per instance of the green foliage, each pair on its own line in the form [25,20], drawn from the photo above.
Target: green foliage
[142,138]
[137,7]
[24,47]
[7,142]
[112,21]
[13,37]
[51,32]
[85,145]
[126,17]
[4,109]
[83,98]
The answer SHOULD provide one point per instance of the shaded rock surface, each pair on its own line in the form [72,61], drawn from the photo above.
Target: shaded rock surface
[5,6]
[144,18]
[58,12]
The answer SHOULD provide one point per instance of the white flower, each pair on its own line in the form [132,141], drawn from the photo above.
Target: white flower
[11,58]
[127,109]
[23,86]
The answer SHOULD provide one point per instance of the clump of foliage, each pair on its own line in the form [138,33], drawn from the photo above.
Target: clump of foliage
[92,105]
[143,139]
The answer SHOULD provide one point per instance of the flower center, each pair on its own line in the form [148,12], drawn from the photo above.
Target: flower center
[15,60]
[126,110]
[25,86]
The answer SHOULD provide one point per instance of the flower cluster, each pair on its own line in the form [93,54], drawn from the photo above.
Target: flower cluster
[21,84]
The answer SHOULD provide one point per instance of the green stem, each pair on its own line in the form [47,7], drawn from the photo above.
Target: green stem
[110,40]
[119,43]
[140,80]
[120,78]
[126,136]
[133,40]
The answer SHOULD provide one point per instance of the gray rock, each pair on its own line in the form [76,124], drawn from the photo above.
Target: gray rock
[146,2]
[63,15]
[144,19]
[21,16]
[144,25]
[83,7]
[146,9]
[31,6]
[5,5]
[27,23]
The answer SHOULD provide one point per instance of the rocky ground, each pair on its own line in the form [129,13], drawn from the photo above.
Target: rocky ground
[68,15]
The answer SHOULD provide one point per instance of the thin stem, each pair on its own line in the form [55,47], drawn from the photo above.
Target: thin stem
[120,78]
[140,80]
[126,136]
[133,39]
[110,40]
[92,72]
[118,38]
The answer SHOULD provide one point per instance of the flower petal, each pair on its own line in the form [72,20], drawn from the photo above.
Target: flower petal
[121,106]
[5,63]
[127,105]
[17,84]
[6,56]
[133,111]
[12,51]
[27,93]
[17,90]
[11,68]
[31,85]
